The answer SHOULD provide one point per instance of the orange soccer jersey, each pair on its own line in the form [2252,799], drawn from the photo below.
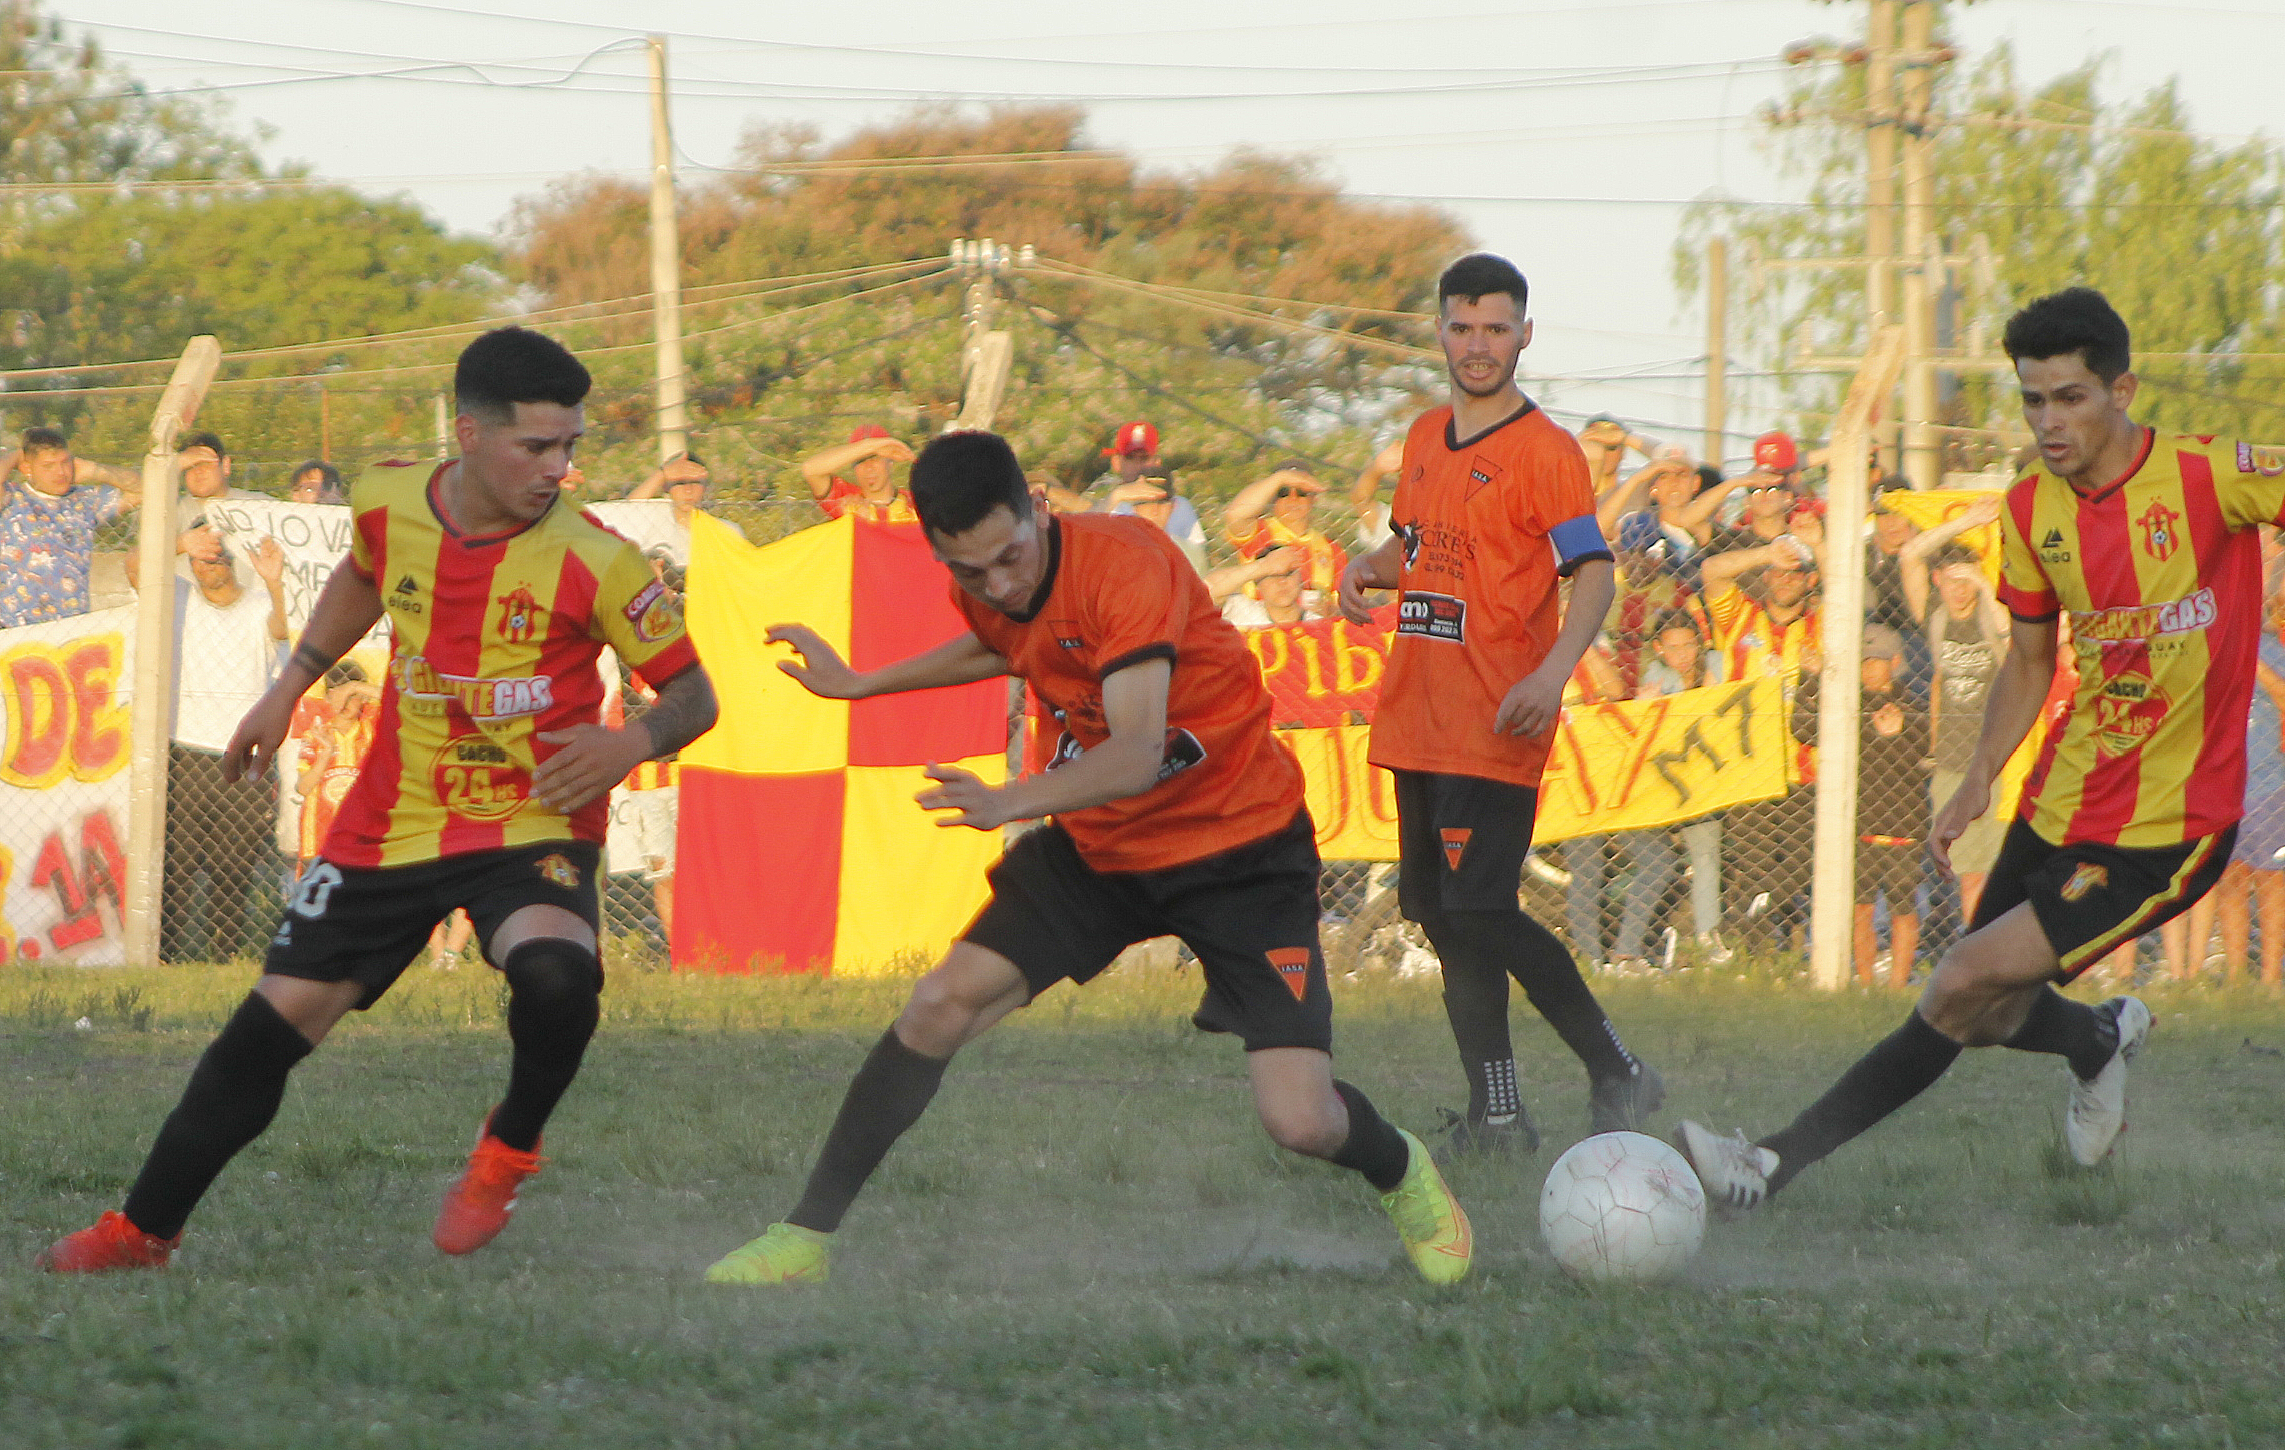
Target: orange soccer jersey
[495,640]
[2161,573]
[1488,525]
[1117,592]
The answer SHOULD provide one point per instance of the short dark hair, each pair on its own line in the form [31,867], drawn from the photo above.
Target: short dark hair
[1708,477]
[44,440]
[961,477]
[205,440]
[1675,619]
[2076,319]
[511,365]
[1479,274]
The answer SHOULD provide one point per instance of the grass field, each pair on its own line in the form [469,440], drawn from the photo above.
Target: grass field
[1088,1242]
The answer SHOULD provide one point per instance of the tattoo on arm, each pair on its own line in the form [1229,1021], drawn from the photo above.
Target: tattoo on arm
[684,710]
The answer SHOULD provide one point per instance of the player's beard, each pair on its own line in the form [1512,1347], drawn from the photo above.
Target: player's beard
[1497,385]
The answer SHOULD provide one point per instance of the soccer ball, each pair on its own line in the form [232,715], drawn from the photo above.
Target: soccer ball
[1622,1207]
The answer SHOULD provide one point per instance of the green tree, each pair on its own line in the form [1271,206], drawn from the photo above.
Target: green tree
[2182,233]
[1231,391]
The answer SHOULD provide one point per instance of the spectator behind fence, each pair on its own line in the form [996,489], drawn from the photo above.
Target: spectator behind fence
[1660,548]
[1680,661]
[1885,601]
[203,467]
[1772,490]
[1768,632]
[317,482]
[1154,499]
[333,751]
[1967,632]
[226,654]
[1277,593]
[685,481]
[51,505]
[1279,511]
[1892,794]
[867,458]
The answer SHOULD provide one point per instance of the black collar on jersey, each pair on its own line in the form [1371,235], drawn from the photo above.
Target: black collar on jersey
[1054,532]
[1453,443]
[2141,456]
[434,491]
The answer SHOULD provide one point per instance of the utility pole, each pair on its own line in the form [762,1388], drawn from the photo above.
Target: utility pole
[1923,458]
[987,354]
[1717,348]
[1880,187]
[666,269]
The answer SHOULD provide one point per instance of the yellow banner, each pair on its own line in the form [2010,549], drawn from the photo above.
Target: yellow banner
[1628,766]
[1930,507]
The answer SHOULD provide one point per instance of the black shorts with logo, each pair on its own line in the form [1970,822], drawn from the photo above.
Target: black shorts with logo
[366,924]
[1461,840]
[1250,913]
[2092,899]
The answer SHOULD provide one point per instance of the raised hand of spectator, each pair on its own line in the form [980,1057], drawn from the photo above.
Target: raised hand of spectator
[269,560]
[203,543]
[1278,561]
[1984,510]
[682,469]
[1294,478]
[895,450]
[1142,490]
[1389,459]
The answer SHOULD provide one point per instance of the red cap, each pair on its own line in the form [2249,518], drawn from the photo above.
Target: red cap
[1775,452]
[1812,507]
[867,430]
[1135,437]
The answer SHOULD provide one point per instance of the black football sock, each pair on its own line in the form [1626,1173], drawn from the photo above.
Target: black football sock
[1899,1068]
[1475,1003]
[1530,953]
[554,1002]
[233,1094]
[2068,1029]
[886,1097]
[1374,1148]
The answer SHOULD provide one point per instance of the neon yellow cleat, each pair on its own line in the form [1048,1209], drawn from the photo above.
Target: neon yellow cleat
[785,1254]
[1429,1220]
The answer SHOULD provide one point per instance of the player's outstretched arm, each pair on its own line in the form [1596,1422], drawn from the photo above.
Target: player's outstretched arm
[1533,702]
[1127,764]
[821,670]
[349,606]
[2018,694]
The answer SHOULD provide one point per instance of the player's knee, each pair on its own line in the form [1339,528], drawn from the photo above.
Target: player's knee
[1301,1125]
[1961,997]
[550,973]
[942,1008]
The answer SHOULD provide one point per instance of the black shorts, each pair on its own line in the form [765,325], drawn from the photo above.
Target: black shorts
[367,924]
[1892,868]
[1249,913]
[2092,899]
[1460,840]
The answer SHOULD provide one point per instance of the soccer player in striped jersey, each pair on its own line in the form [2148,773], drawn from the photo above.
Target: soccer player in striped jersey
[485,787]
[1493,506]
[2151,543]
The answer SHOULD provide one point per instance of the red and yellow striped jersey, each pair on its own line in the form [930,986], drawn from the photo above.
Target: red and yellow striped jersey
[2160,572]
[496,638]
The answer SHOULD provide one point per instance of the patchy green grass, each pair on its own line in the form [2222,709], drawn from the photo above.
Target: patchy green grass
[1088,1242]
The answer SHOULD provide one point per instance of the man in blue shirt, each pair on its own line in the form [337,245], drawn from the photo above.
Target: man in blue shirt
[49,515]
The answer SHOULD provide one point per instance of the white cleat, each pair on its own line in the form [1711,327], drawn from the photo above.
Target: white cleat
[2097,1113]
[1734,1173]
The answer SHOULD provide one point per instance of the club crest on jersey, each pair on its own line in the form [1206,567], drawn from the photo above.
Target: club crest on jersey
[1455,845]
[2089,877]
[1065,633]
[652,613]
[557,867]
[2159,536]
[519,614]
[1292,965]
[1482,474]
[2268,462]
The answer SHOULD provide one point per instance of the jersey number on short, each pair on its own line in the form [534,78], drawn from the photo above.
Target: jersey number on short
[315,888]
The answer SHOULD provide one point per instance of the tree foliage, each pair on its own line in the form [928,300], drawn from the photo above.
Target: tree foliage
[2185,235]
[1229,393]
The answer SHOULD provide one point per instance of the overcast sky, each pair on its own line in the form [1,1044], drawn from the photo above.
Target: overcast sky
[1564,134]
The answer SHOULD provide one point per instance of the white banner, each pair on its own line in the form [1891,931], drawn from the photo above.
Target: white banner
[315,537]
[648,524]
[63,788]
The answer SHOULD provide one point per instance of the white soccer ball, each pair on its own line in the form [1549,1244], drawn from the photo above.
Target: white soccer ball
[1622,1207]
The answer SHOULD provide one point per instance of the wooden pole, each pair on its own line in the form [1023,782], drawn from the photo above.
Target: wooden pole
[666,269]
[1717,349]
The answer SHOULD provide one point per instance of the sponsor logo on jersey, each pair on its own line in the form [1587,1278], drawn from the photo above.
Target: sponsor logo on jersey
[426,690]
[2159,538]
[557,867]
[2129,706]
[519,614]
[1292,965]
[1432,616]
[1182,751]
[2052,550]
[2089,877]
[1455,845]
[2136,622]
[401,597]
[1410,534]
[474,779]
[2268,462]
[653,613]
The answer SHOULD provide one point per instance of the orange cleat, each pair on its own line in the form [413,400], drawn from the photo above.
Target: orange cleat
[476,1208]
[113,1243]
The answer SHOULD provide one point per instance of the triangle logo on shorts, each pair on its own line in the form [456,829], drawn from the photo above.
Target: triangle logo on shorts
[1292,965]
[1455,842]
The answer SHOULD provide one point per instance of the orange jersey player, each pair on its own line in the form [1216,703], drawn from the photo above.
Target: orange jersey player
[2149,544]
[1493,506]
[483,788]
[1176,812]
